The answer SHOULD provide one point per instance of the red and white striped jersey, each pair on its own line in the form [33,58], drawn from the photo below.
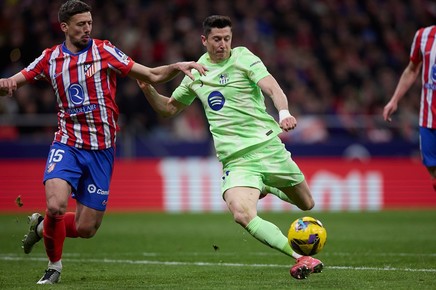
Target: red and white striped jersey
[85,87]
[424,50]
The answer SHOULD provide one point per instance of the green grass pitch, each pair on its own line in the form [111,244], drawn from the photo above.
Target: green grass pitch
[364,250]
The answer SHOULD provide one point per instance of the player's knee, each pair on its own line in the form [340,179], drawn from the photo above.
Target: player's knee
[56,195]
[239,218]
[243,217]
[243,211]
[54,208]
[307,205]
[86,232]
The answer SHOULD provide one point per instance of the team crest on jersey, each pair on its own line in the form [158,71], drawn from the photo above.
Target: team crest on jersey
[89,69]
[224,79]
[50,167]
[216,100]
[225,174]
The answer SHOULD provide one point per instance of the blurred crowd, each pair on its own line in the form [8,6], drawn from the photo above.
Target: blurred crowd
[338,62]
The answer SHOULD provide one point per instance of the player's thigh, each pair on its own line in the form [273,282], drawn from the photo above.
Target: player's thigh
[93,189]
[300,194]
[62,164]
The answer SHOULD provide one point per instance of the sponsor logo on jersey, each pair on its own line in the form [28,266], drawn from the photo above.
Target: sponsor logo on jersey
[93,189]
[254,63]
[430,86]
[121,56]
[56,75]
[84,109]
[75,93]
[433,72]
[216,100]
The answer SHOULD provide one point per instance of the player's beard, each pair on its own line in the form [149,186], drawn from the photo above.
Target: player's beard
[222,55]
[81,44]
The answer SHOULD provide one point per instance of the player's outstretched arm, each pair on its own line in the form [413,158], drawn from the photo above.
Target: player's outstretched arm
[165,73]
[270,87]
[9,85]
[164,106]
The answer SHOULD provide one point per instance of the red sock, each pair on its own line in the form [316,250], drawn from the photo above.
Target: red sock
[434,184]
[54,236]
[70,225]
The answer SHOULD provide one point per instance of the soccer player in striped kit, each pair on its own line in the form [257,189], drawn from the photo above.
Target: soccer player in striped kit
[255,161]
[82,72]
[422,59]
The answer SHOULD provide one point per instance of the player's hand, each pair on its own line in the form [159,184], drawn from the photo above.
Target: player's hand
[7,87]
[388,110]
[288,123]
[143,85]
[187,66]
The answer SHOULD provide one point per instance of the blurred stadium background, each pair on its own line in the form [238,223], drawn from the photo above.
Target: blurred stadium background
[337,61]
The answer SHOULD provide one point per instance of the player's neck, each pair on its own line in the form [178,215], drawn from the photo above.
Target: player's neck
[72,48]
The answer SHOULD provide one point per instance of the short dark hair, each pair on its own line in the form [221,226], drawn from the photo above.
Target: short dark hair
[216,21]
[71,8]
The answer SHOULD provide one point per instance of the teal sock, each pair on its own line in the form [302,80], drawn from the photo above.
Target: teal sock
[277,192]
[270,235]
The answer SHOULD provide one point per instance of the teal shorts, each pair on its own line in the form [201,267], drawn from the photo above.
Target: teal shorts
[269,163]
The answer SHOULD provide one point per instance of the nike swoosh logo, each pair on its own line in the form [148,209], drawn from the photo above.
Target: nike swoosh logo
[56,75]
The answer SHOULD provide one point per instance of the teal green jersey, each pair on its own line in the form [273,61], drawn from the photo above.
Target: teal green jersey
[233,103]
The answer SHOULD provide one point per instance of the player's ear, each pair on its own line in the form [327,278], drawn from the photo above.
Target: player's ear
[203,40]
[64,26]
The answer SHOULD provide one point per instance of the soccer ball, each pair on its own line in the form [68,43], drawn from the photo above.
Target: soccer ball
[307,236]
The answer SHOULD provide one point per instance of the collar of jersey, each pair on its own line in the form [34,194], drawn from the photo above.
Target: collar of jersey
[218,63]
[66,50]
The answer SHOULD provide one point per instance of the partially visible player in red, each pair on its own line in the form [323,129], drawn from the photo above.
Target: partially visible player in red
[83,73]
[422,60]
